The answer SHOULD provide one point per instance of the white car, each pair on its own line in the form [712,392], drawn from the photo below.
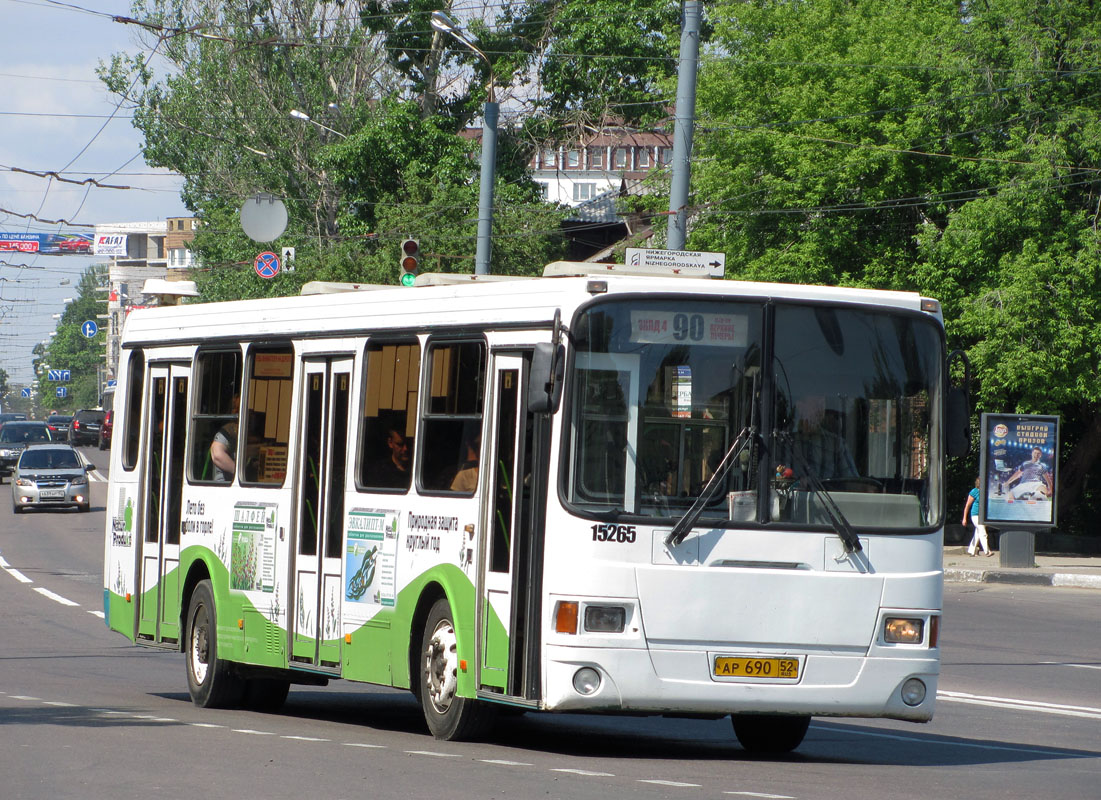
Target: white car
[50,475]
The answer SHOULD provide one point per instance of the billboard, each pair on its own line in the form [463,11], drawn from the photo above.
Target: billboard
[51,244]
[111,244]
[1017,474]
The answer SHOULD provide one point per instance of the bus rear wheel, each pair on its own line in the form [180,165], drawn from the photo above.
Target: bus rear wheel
[449,716]
[770,734]
[209,679]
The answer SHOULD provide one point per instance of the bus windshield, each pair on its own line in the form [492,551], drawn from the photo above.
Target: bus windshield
[844,405]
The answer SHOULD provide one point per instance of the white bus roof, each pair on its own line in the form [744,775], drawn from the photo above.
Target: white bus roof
[466,303]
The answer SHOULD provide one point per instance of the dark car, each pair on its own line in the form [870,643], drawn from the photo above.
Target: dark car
[50,475]
[105,430]
[85,426]
[59,425]
[14,438]
[11,416]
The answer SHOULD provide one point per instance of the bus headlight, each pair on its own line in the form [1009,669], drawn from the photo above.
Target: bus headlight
[903,630]
[605,619]
[913,692]
[586,680]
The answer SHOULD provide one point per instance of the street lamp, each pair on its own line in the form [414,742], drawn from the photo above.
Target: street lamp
[444,24]
[302,115]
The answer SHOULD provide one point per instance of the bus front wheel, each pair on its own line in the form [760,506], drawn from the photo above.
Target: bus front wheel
[770,734]
[209,678]
[449,716]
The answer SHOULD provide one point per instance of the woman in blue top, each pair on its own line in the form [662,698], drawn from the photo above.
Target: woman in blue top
[971,509]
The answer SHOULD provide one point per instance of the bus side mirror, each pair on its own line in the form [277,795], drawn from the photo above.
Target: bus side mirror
[957,423]
[545,378]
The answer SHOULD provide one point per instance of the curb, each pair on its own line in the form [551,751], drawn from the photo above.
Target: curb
[1070,580]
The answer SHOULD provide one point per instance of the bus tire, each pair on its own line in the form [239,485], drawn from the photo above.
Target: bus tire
[770,734]
[266,694]
[209,679]
[449,717]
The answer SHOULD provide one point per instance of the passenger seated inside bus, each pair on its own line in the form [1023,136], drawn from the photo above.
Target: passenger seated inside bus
[390,468]
[466,477]
[223,449]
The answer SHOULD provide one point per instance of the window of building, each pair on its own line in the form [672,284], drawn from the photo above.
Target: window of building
[573,159]
[596,157]
[216,415]
[643,157]
[665,154]
[389,415]
[621,158]
[583,191]
[451,427]
[550,159]
[544,189]
[268,415]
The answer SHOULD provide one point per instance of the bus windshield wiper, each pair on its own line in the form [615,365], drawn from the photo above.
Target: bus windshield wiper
[680,530]
[840,525]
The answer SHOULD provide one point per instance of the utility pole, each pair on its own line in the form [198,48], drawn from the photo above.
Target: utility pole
[684,121]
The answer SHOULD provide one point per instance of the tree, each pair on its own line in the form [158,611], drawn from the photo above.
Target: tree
[941,148]
[70,349]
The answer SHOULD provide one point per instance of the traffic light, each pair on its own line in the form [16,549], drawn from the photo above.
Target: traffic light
[410,260]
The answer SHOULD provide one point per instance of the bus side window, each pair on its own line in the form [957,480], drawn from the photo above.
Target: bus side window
[268,415]
[217,399]
[131,433]
[452,424]
[389,416]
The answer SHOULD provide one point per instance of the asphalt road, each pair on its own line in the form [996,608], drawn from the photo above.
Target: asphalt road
[84,714]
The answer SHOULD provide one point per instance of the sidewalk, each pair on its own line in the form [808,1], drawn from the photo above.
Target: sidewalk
[1082,572]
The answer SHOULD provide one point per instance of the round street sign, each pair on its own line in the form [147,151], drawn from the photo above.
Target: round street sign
[89,329]
[267,265]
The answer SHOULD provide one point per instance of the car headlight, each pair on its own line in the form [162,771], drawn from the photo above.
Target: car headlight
[7,453]
[79,480]
[24,482]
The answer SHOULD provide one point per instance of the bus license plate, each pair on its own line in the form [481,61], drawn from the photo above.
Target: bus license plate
[51,494]
[729,667]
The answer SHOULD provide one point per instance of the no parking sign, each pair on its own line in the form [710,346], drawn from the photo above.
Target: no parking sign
[267,265]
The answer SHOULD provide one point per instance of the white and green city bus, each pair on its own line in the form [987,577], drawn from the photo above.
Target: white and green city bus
[705,498]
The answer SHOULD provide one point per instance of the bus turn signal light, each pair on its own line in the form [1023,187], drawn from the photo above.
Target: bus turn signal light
[565,616]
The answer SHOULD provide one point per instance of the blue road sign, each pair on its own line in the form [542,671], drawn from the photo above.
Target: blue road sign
[58,375]
[267,265]
[25,392]
[62,391]
[89,329]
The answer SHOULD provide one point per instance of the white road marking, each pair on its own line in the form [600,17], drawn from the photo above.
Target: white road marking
[1020,705]
[8,568]
[762,794]
[368,746]
[899,737]
[204,725]
[251,732]
[1067,664]
[55,597]
[25,697]
[671,783]
[306,738]
[584,772]
[59,703]
[502,762]
[97,614]
[431,753]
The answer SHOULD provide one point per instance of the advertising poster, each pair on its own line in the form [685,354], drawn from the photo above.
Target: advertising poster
[371,557]
[54,244]
[1018,474]
[252,566]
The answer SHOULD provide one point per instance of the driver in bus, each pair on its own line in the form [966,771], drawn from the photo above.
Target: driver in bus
[819,440]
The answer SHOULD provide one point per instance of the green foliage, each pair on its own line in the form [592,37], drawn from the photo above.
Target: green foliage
[921,147]
[70,349]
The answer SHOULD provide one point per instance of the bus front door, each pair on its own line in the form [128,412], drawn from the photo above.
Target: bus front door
[320,479]
[161,481]
[511,569]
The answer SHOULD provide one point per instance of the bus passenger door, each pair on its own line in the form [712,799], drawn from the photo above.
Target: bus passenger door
[320,480]
[511,569]
[162,480]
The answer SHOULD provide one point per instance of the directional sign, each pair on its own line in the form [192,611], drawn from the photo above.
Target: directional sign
[25,392]
[267,265]
[62,391]
[677,262]
[58,375]
[89,329]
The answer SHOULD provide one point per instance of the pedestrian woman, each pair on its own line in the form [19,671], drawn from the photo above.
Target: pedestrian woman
[971,509]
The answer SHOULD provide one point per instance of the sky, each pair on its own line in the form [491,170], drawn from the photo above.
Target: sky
[56,118]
